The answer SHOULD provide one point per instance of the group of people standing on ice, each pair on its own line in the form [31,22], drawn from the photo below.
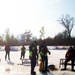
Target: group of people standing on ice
[42,51]
[33,55]
[33,52]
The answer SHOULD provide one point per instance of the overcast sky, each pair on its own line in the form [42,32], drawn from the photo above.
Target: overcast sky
[22,15]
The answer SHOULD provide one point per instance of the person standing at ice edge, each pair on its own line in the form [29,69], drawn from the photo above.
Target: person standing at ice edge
[33,56]
[7,50]
[43,50]
[23,51]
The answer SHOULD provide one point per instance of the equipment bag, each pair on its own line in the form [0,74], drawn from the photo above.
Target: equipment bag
[41,67]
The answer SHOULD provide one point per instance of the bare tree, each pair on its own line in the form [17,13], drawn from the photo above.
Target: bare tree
[26,37]
[68,22]
[42,32]
[1,40]
[7,36]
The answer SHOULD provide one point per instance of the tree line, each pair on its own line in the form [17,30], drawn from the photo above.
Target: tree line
[63,38]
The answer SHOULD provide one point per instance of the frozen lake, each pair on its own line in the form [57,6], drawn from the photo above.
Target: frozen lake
[13,66]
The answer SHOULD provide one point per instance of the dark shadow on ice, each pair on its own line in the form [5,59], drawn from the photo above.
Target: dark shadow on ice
[10,62]
[29,64]
[47,73]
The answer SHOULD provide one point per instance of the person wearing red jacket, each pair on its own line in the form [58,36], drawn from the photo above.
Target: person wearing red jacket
[7,50]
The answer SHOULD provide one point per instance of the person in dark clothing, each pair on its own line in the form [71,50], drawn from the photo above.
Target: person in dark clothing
[7,50]
[70,56]
[43,50]
[33,56]
[23,51]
